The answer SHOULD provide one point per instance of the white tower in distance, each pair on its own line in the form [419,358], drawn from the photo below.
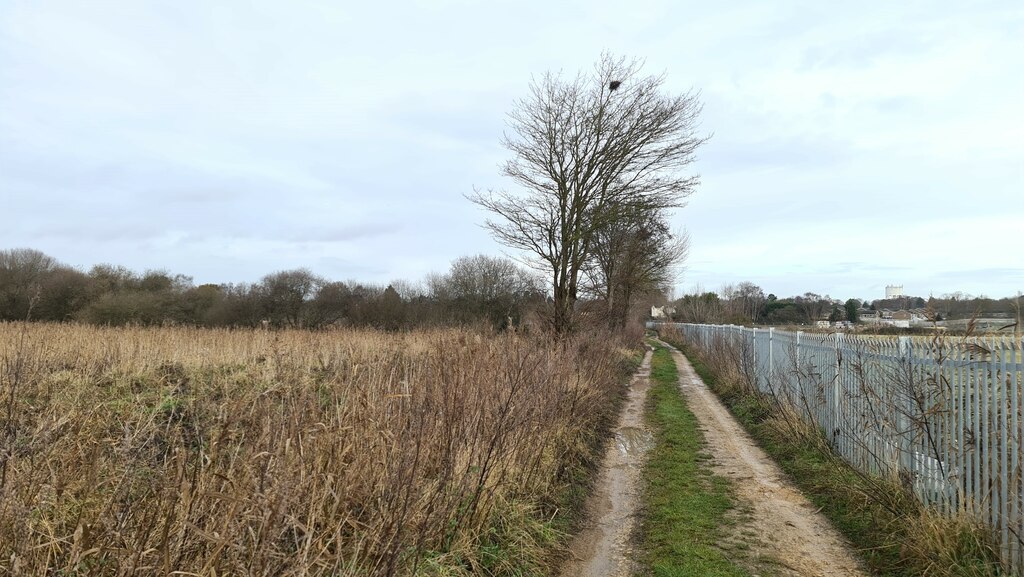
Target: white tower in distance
[893,291]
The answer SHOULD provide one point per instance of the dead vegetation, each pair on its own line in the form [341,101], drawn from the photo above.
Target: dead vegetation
[212,452]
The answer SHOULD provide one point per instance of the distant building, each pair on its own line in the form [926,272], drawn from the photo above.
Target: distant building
[893,291]
[662,312]
[888,318]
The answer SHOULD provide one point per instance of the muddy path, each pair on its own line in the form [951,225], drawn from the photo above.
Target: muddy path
[783,526]
[602,548]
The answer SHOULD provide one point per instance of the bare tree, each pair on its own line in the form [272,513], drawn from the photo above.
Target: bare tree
[332,304]
[485,287]
[22,273]
[1017,327]
[583,152]
[751,300]
[635,254]
[813,305]
[700,306]
[284,295]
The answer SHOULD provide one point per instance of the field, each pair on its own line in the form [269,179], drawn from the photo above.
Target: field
[214,452]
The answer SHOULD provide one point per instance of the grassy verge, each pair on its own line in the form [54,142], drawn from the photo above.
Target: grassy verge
[895,536]
[685,505]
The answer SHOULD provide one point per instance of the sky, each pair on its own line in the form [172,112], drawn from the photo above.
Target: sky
[853,145]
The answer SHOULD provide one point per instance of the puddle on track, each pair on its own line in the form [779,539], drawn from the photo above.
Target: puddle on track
[602,549]
[633,441]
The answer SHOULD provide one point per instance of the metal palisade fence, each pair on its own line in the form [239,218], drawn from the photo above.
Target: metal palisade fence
[942,413]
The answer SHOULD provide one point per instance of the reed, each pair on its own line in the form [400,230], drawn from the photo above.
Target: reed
[150,451]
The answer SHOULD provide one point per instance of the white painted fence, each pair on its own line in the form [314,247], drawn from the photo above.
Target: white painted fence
[944,414]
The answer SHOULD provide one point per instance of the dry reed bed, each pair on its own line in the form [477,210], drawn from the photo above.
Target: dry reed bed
[213,452]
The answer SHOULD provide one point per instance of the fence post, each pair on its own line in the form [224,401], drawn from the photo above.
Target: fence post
[796,354]
[906,461]
[836,387]
[771,354]
[753,356]
[796,360]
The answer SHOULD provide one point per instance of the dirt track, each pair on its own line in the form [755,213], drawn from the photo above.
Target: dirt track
[788,528]
[602,548]
[783,535]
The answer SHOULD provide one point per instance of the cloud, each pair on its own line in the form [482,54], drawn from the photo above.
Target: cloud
[360,231]
[786,153]
[854,146]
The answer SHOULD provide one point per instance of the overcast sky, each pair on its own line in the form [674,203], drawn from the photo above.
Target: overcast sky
[854,144]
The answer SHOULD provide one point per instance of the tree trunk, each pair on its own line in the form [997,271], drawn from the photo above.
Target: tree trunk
[562,316]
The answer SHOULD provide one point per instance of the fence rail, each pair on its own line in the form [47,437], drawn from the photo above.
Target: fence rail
[944,414]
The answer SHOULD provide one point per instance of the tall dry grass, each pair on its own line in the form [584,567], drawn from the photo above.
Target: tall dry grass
[216,452]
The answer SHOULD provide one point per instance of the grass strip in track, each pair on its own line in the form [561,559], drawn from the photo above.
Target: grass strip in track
[685,505]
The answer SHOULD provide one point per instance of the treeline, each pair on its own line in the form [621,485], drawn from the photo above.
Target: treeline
[476,289]
[963,306]
[747,303]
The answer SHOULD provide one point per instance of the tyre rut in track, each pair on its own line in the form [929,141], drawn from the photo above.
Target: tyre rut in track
[603,547]
[787,528]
